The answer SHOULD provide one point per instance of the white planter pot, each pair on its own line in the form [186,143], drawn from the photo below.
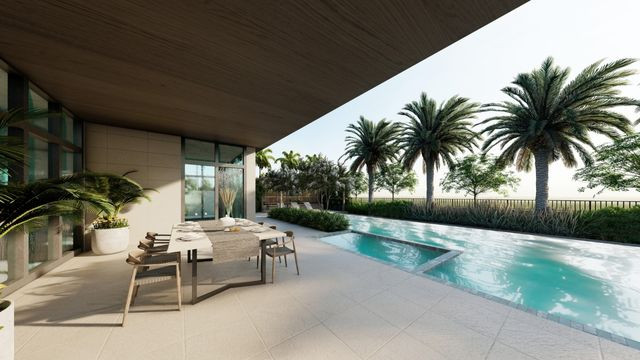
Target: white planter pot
[227,221]
[6,331]
[110,241]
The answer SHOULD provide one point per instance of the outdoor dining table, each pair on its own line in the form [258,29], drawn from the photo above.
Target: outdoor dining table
[206,240]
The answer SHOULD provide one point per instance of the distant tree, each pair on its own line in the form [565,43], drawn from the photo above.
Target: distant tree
[436,133]
[359,184]
[549,118]
[289,160]
[263,160]
[475,175]
[282,181]
[323,178]
[370,145]
[616,166]
[395,178]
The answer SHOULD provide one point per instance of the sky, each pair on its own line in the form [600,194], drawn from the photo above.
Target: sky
[575,32]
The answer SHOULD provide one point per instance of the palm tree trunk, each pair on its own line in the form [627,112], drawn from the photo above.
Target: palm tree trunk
[371,175]
[542,179]
[430,174]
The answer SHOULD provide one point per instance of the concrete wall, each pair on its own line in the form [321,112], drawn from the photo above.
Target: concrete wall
[157,158]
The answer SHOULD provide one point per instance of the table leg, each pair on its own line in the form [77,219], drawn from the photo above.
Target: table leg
[194,277]
[263,262]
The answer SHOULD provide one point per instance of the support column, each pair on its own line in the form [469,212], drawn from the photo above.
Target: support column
[18,254]
[250,183]
[54,238]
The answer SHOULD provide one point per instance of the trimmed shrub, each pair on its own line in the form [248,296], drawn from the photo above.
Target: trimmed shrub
[610,224]
[398,209]
[320,220]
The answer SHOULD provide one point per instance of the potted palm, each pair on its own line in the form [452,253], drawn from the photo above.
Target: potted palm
[110,233]
[6,328]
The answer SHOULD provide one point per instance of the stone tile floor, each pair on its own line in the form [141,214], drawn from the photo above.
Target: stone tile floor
[342,306]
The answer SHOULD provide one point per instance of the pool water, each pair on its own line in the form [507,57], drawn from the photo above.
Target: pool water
[399,254]
[592,283]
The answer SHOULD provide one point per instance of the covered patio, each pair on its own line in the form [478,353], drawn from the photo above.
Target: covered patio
[342,306]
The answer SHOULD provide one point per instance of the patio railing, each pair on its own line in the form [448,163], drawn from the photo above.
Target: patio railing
[522,203]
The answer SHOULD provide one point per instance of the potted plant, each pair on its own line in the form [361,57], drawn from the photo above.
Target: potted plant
[6,328]
[110,233]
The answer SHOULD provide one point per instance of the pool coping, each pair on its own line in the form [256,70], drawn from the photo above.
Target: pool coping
[542,314]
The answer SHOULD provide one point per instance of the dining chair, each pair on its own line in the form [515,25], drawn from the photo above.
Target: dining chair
[150,246]
[282,250]
[267,243]
[160,238]
[151,269]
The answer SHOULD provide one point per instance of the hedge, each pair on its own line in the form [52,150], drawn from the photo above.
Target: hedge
[609,224]
[316,219]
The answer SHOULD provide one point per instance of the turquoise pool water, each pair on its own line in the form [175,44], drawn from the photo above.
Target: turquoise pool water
[592,283]
[400,254]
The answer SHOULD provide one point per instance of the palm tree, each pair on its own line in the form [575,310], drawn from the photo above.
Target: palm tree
[25,204]
[370,145]
[289,160]
[263,160]
[11,148]
[436,133]
[549,118]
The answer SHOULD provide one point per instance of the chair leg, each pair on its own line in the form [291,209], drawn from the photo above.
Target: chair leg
[179,286]
[295,256]
[126,305]
[273,269]
[135,293]
[285,261]
[258,261]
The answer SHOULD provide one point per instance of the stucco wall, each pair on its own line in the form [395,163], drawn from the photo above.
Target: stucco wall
[157,160]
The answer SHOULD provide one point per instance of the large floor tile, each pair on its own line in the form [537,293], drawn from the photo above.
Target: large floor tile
[236,341]
[325,304]
[219,311]
[615,351]
[362,330]
[317,343]
[473,312]
[404,347]
[421,291]
[541,344]
[281,321]
[395,309]
[450,338]
[500,351]
[154,328]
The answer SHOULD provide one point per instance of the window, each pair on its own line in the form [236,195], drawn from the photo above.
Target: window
[38,159]
[228,154]
[37,102]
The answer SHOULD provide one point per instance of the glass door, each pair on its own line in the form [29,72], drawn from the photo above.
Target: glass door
[199,191]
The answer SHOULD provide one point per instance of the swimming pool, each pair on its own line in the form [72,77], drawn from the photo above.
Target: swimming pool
[596,284]
[408,256]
